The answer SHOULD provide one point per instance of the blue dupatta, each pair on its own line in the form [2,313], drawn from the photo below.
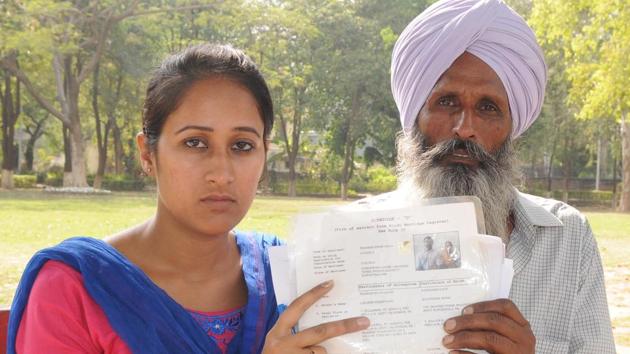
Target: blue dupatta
[142,314]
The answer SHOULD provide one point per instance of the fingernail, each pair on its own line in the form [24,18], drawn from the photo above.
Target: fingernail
[468,310]
[363,322]
[448,339]
[449,325]
[327,284]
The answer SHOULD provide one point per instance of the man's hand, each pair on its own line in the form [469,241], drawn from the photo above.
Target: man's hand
[495,326]
[280,340]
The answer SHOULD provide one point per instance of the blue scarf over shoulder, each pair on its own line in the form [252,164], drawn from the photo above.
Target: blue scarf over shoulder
[142,314]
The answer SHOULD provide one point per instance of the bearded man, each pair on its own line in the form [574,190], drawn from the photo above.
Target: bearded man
[469,78]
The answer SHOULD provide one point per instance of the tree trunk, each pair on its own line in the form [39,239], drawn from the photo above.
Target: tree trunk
[102,160]
[29,154]
[291,189]
[131,166]
[101,137]
[348,161]
[598,164]
[34,135]
[344,190]
[624,206]
[605,163]
[532,165]
[263,184]
[614,181]
[292,147]
[567,168]
[550,167]
[98,181]
[78,176]
[10,114]
[350,141]
[118,149]
[295,139]
[7,179]
[67,153]
[549,175]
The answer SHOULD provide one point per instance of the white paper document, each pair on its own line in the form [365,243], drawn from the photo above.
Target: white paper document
[407,270]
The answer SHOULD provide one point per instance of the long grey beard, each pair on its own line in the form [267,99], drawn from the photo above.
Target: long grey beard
[420,171]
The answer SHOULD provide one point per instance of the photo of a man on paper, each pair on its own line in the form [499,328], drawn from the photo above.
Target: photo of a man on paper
[437,251]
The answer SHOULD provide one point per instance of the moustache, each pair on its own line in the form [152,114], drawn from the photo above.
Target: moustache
[442,150]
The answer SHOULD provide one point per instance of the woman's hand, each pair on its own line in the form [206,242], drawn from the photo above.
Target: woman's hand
[280,340]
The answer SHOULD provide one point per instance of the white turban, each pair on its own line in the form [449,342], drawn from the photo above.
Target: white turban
[488,29]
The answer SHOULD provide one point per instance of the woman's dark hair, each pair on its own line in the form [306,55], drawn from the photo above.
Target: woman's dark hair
[178,72]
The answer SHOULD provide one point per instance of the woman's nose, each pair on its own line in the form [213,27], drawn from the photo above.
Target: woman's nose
[221,170]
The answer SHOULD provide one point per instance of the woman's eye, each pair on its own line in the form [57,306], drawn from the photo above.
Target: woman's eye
[195,143]
[242,146]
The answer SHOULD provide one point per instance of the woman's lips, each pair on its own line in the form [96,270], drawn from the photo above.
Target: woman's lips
[218,198]
[218,201]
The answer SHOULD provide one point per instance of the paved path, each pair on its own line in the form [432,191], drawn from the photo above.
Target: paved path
[618,292]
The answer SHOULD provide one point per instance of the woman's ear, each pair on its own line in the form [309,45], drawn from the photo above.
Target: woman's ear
[146,156]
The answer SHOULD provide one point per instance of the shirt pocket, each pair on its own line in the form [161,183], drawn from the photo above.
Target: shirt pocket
[550,346]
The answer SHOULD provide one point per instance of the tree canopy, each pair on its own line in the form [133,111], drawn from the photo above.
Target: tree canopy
[74,74]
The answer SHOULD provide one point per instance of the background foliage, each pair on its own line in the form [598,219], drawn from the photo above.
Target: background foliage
[74,74]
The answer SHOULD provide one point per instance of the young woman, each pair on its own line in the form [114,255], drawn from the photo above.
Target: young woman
[183,281]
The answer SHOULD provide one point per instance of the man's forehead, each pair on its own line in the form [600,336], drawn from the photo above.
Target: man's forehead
[468,72]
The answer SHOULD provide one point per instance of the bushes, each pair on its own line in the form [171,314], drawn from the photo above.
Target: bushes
[380,180]
[596,197]
[591,196]
[308,187]
[52,179]
[24,181]
[119,183]
[377,179]
[55,179]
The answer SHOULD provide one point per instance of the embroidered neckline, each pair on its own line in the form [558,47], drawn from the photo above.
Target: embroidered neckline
[221,326]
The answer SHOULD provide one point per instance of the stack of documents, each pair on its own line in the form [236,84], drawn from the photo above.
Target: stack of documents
[406,269]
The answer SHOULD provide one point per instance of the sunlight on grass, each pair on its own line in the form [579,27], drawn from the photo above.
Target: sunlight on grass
[612,231]
[30,221]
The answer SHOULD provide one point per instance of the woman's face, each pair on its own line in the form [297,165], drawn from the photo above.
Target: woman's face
[210,157]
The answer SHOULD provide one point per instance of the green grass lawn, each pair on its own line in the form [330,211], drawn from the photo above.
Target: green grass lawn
[30,221]
[612,231]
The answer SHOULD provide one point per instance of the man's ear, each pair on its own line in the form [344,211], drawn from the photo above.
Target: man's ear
[146,156]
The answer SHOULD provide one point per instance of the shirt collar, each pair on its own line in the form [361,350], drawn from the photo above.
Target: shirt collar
[534,211]
[529,214]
